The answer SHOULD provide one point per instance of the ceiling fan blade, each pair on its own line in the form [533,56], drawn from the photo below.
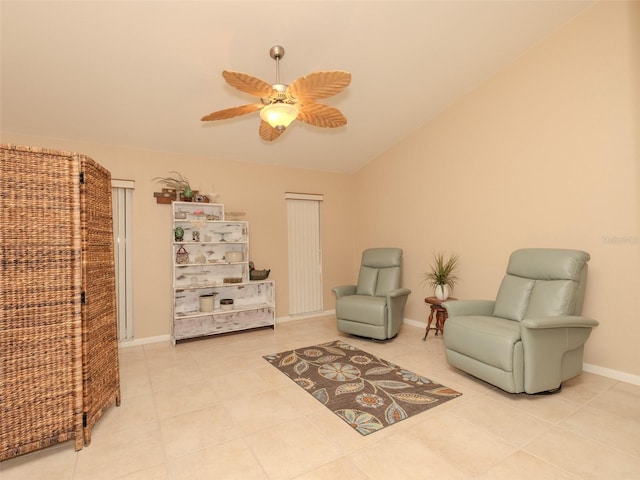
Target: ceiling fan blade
[232,112]
[320,85]
[248,84]
[320,115]
[268,133]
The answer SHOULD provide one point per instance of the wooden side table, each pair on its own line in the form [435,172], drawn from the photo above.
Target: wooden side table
[440,313]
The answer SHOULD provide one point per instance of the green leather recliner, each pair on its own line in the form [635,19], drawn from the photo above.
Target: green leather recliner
[531,338]
[374,308]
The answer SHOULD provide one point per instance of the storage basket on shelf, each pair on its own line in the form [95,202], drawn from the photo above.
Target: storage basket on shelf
[182,256]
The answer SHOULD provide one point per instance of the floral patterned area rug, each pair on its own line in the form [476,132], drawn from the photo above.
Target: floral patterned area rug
[367,392]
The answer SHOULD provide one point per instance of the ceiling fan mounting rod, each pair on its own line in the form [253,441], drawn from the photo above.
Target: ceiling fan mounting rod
[277,52]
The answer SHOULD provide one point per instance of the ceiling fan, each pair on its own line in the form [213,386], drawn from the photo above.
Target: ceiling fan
[281,104]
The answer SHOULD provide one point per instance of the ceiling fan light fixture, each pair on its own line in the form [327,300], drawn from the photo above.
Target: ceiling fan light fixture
[279,115]
[280,104]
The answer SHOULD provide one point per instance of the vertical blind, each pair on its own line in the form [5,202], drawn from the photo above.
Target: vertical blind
[305,253]
[122,197]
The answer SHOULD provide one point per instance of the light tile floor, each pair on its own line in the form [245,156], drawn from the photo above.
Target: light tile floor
[215,409]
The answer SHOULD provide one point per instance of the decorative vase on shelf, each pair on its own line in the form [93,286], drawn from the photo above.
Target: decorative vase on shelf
[442,292]
[178,234]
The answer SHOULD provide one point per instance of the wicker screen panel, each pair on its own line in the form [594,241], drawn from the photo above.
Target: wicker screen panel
[40,320]
[58,341]
[100,337]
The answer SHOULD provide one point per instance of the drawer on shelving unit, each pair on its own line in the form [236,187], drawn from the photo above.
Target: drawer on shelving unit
[205,325]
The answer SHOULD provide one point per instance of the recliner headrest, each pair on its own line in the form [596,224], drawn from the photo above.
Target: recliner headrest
[547,263]
[382,257]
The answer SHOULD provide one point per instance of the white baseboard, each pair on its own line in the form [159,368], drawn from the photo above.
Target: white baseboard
[610,373]
[415,323]
[293,318]
[144,341]
[167,338]
[587,367]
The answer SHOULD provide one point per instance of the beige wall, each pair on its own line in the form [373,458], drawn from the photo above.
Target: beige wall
[544,154]
[254,189]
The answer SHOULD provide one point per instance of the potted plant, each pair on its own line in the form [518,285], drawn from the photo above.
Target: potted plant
[179,183]
[442,275]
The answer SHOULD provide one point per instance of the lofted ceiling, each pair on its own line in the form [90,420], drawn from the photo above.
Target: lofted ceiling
[142,73]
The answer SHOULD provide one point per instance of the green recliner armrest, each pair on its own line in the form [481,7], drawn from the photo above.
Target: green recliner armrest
[564,321]
[343,290]
[553,346]
[456,308]
[396,300]
[398,292]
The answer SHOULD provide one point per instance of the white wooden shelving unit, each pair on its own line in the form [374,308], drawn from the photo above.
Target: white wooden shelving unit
[213,258]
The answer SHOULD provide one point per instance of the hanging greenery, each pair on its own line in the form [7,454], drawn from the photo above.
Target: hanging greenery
[178,182]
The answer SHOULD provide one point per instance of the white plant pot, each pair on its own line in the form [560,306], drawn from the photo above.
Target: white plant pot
[442,292]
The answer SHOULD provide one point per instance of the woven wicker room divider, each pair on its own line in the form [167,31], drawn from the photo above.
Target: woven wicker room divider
[58,340]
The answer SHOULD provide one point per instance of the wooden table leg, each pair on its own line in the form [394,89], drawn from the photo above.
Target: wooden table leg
[429,324]
[440,313]
[439,322]
[441,317]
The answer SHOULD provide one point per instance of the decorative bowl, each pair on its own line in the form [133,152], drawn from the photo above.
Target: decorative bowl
[259,274]
[226,304]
